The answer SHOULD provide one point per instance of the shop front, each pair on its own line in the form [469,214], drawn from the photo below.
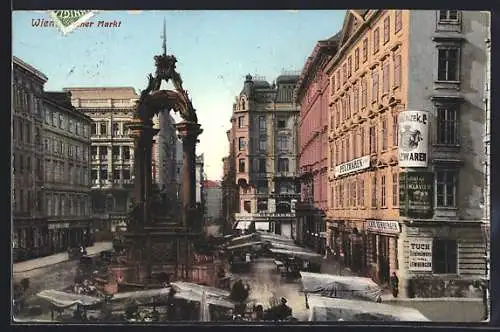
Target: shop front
[382,249]
[444,261]
[29,240]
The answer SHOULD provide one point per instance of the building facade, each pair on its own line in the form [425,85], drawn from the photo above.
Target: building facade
[230,192]
[212,191]
[264,126]
[30,235]
[312,96]
[200,180]
[390,61]
[112,151]
[66,146]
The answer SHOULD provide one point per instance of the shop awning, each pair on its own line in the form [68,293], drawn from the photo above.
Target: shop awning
[243,225]
[332,309]
[262,225]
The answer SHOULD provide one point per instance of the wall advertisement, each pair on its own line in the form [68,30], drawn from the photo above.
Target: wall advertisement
[413,139]
[420,255]
[416,194]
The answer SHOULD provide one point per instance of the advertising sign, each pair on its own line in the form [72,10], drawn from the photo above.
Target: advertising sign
[271,205]
[413,138]
[383,226]
[420,255]
[416,195]
[352,166]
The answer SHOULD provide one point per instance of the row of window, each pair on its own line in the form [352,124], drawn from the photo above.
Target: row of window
[66,123]
[60,148]
[356,97]
[281,123]
[103,174]
[66,173]
[282,143]
[365,140]
[67,205]
[117,152]
[25,102]
[369,140]
[346,70]
[117,128]
[27,201]
[22,132]
[259,165]
[23,164]
[351,193]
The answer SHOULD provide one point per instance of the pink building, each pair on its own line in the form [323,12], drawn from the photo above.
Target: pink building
[312,96]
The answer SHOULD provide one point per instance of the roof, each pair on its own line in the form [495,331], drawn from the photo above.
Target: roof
[287,79]
[62,98]
[102,92]
[41,76]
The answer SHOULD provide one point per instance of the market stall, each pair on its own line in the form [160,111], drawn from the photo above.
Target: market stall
[346,287]
[323,309]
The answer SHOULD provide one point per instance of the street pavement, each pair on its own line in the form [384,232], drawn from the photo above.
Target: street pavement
[265,284]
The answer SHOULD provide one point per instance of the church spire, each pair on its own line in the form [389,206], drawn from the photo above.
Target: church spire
[164,37]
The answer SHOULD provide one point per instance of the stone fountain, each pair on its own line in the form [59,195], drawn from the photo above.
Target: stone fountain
[157,243]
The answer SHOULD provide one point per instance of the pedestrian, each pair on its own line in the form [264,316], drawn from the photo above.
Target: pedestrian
[395,284]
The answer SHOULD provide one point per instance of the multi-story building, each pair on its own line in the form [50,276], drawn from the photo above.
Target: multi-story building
[66,146]
[391,61]
[212,191]
[312,96]
[264,126]
[230,192]
[30,237]
[112,150]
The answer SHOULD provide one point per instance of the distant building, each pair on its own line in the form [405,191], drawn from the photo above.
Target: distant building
[112,150]
[213,201]
[200,178]
[66,137]
[312,96]
[179,167]
[263,149]
[30,233]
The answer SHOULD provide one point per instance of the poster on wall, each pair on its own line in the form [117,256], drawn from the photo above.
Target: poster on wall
[416,194]
[420,255]
[413,139]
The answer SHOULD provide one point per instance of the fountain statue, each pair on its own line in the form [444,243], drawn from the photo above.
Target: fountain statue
[156,244]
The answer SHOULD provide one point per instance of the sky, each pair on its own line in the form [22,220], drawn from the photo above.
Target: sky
[214,49]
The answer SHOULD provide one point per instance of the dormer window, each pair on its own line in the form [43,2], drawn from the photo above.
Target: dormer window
[242,105]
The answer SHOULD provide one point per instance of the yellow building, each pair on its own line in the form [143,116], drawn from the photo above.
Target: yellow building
[391,61]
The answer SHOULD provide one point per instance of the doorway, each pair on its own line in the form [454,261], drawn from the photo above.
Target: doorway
[383,254]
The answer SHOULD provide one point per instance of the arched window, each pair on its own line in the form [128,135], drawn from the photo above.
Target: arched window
[242,106]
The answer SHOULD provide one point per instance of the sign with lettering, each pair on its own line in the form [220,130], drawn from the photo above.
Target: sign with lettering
[271,205]
[383,226]
[352,166]
[420,255]
[58,226]
[413,138]
[416,194]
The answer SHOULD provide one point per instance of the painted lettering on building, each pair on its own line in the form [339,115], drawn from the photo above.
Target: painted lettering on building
[352,166]
[420,255]
[413,139]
